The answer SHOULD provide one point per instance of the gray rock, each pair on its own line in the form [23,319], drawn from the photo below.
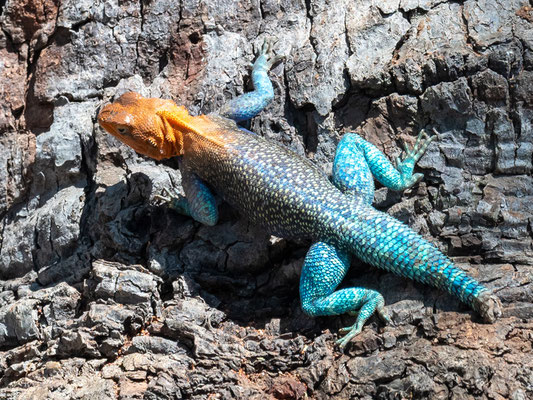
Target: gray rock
[373,40]
[315,70]
[125,286]
[148,344]
[58,231]
[426,5]
[60,151]
[37,314]
[106,293]
[524,150]
[434,49]
[491,22]
[503,131]
[17,154]
[12,90]
[19,322]
[448,103]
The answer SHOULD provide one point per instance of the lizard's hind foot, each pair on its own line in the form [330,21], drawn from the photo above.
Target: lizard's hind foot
[423,140]
[405,164]
[374,302]
[324,268]
[164,197]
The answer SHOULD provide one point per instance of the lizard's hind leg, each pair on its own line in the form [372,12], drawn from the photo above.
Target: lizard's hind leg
[351,173]
[324,268]
[357,162]
[396,178]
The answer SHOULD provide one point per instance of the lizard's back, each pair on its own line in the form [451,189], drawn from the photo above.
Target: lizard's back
[266,182]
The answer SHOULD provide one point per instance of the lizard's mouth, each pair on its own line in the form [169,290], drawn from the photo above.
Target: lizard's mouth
[107,127]
[105,115]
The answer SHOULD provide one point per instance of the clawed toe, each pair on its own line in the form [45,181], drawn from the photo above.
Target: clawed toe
[275,59]
[267,44]
[166,196]
[350,332]
[162,199]
[422,142]
[267,52]
[384,315]
[345,330]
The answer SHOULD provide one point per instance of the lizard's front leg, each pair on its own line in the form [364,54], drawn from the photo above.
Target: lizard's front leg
[250,104]
[324,268]
[198,202]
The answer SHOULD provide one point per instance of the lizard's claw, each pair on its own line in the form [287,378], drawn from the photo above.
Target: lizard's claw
[267,55]
[164,197]
[351,332]
[267,44]
[406,164]
[173,200]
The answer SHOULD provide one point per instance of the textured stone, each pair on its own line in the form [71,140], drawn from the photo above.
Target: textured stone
[426,5]
[503,132]
[37,314]
[373,40]
[17,154]
[448,103]
[316,71]
[90,56]
[434,49]
[490,21]
[490,87]
[12,89]
[45,236]
[59,151]
[29,21]
[105,293]
[124,286]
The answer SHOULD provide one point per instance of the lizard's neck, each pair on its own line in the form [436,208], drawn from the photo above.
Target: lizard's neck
[178,123]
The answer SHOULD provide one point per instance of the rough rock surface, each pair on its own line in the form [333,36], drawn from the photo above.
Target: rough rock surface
[104,295]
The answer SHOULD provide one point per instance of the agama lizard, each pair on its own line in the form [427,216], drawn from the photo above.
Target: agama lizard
[292,198]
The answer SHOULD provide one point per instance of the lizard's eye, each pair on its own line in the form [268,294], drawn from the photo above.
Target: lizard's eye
[123,130]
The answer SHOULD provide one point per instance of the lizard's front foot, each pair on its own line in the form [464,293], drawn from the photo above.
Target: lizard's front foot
[266,57]
[174,201]
[406,165]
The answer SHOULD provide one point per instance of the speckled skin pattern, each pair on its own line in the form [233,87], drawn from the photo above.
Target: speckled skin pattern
[292,198]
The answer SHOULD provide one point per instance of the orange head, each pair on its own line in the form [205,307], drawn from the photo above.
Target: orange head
[153,127]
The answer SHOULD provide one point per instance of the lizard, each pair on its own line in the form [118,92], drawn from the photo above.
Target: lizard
[292,198]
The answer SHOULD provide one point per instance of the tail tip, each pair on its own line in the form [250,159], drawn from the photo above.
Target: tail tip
[489,306]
